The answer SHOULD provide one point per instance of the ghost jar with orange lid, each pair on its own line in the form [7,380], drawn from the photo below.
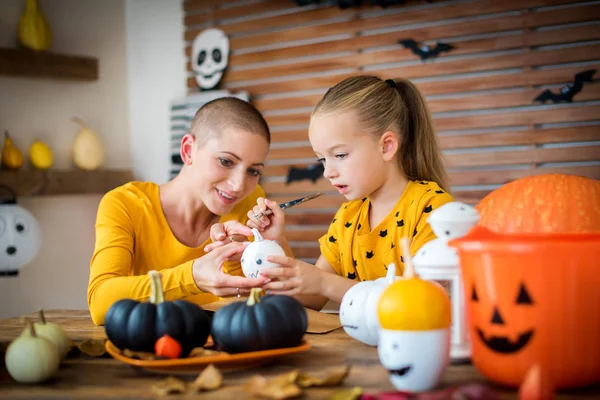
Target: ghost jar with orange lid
[414,338]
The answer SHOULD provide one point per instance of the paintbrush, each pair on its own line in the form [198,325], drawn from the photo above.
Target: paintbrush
[289,204]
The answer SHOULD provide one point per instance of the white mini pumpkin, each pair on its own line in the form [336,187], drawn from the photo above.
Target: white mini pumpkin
[254,257]
[358,309]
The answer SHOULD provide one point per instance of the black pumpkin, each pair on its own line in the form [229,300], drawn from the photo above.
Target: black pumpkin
[262,322]
[136,326]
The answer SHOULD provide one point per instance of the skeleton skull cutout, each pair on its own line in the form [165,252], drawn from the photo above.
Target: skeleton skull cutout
[210,55]
[20,238]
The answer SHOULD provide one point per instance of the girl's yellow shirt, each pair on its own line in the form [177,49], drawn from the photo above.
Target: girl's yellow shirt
[133,237]
[357,251]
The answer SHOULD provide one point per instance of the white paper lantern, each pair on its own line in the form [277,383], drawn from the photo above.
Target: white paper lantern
[439,262]
[254,257]
[20,237]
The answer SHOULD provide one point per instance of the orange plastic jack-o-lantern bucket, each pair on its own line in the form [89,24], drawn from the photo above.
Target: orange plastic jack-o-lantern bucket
[533,299]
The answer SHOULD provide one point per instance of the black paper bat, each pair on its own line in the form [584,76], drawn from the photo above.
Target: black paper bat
[312,172]
[423,50]
[567,92]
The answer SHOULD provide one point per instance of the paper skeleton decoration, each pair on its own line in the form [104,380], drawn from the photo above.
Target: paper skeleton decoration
[20,237]
[210,55]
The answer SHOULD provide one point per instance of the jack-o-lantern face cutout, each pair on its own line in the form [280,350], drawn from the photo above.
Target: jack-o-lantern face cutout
[502,344]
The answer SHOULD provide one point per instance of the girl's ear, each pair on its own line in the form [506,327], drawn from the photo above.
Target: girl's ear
[186,150]
[389,145]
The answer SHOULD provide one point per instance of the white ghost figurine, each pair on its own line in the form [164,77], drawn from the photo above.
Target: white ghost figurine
[20,238]
[210,55]
[415,360]
[254,257]
[358,309]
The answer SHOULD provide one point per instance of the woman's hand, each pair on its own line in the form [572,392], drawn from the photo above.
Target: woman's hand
[209,276]
[293,277]
[230,231]
[271,227]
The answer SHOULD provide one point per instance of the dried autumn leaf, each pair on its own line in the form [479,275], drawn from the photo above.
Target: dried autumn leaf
[139,355]
[168,386]
[347,394]
[209,379]
[92,347]
[277,388]
[284,379]
[331,377]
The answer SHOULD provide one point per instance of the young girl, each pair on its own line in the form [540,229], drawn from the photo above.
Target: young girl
[377,143]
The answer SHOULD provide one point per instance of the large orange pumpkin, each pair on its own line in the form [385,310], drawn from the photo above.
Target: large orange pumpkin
[543,203]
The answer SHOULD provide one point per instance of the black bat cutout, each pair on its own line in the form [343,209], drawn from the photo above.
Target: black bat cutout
[424,51]
[312,172]
[567,92]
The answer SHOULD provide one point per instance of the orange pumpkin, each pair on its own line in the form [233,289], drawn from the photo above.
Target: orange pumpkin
[397,304]
[533,299]
[543,203]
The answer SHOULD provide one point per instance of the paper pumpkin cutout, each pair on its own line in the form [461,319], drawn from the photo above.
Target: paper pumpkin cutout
[254,257]
[20,237]
[210,56]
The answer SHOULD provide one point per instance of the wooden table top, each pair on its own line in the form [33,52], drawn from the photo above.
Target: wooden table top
[82,376]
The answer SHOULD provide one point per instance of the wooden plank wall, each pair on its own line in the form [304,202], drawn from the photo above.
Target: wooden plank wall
[481,93]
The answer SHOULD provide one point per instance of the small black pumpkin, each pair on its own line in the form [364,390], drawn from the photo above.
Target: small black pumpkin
[136,326]
[262,322]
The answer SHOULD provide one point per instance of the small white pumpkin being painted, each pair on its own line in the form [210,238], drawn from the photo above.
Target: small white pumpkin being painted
[358,309]
[254,257]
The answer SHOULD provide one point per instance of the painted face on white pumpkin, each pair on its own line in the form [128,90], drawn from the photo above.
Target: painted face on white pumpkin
[415,359]
[358,309]
[352,311]
[20,238]
[254,257]
[210,55]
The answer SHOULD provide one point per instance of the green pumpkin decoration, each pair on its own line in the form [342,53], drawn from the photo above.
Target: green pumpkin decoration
[262,322]
[136,326]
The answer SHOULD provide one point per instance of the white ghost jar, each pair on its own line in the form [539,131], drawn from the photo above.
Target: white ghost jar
[358,309]
[210,55]
[254,257]
[414,339]
[20,237]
